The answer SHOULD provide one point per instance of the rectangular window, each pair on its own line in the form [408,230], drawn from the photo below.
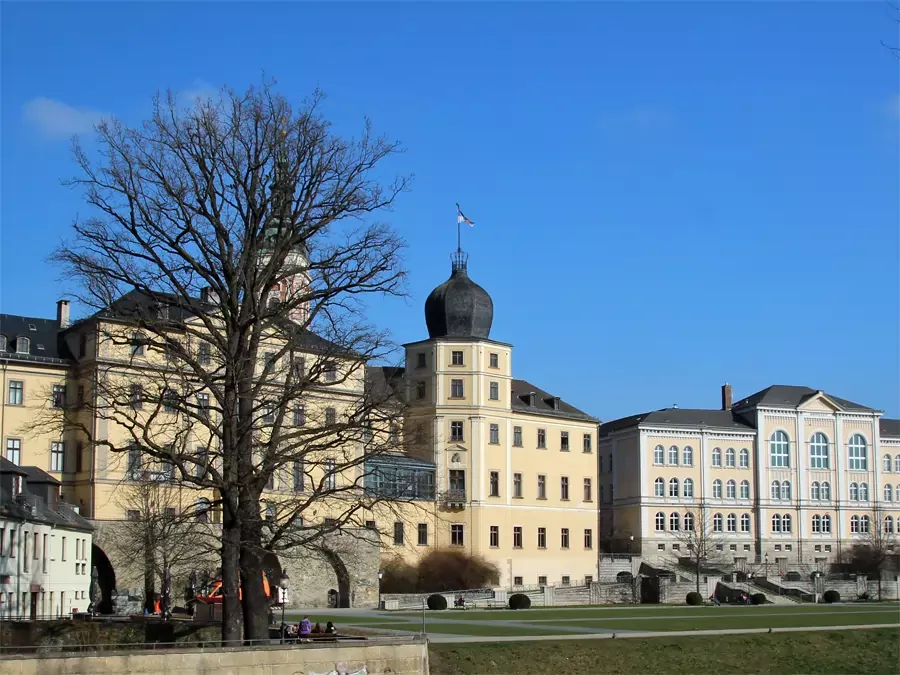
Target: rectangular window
[423,534]
[63,550]
[542,581]
[370,525]
[57,456]
[457,537]
[495,434]
[36,548]
[456,359]
[564,488]
[299,475]
[564,537]
[457,480]
[541,487]
[494,394]
[495,484]
[586,443]
[564,441]
[517,485]
[331,373]
[517,537]
[398,533]
[330,416]
[456,431]
[517,437]
[420,390]
[170,400]
[542,438]
[137,344]
[517,581]
[137,396]
[495,536]
[79,395]
[203,405]
[456,389]
[588,539]
[330,475]
[420,360]
[204,354]
[59,396]
[566,580]
[299,415]
[16,392]
[494,360]
[14,450]
[268,413]
[587,490]
[542,537]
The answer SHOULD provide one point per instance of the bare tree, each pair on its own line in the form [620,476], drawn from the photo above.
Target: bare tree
[875,546]
[228,260]
[701,542]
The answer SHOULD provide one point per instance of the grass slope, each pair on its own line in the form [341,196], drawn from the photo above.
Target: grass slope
[860,652]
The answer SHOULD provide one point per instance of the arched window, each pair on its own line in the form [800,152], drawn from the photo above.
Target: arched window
[776,489]
[23,345]
[659,455]
[730,490]
[826,524]
[729,457]
[818,451]
[786,490]
[854,492]
[673,487]
[689,522]
[717,522]
[888,493]
[817,524]
[888,525]
[745,489]
[745,458]
[780,450]
[731,522]
[673,455]
[786,523]
[776,523]
[687,456]
[863,492]
[717,457]
[660,522]
[897,463]
[886,463]
[854,524]
[745,522]
[857,453]
[688,489]
[815,491]
[201,510]
[864,525]
[717,489]
[826,490]
[659,487]
[674,522]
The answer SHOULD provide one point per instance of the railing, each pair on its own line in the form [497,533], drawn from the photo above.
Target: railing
[453,496]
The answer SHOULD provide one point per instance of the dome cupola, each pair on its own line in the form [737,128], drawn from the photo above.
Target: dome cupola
[459,308]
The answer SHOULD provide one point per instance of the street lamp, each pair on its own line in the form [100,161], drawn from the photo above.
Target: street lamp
[766,558]
[283,584]
[380,576]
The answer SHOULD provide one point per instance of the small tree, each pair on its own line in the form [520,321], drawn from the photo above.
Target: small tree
[874,547]
[701,545]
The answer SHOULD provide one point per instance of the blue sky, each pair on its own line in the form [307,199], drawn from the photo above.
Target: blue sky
[667,196]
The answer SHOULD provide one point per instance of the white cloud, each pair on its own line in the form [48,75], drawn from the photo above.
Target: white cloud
[200,91]
[54,120]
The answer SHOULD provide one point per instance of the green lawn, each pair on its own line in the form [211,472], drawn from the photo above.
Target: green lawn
[861,652]
[477,629]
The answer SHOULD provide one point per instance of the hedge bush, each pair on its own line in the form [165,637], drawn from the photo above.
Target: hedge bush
[832,596]
[519,601]
[694,598]
[437,601]
[758,598]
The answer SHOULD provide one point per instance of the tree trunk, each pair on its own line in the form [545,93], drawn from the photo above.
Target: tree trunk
[255,602]
[149,573]
[697,575]
[231,606]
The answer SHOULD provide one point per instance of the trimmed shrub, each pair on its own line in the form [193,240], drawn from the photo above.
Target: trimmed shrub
[832,596]
[758,598]
[694,598]
[437,601]
[519,601]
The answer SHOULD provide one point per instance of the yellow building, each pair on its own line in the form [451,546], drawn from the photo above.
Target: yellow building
[786,476]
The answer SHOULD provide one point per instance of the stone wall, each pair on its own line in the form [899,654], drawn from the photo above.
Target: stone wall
[397,657]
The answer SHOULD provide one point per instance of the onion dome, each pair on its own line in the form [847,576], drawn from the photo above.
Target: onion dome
[459,308]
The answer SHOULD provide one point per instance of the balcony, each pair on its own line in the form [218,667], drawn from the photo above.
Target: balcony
[453,498]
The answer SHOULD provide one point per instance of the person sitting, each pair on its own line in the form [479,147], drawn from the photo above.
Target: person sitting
[305,627]
[317,629]
[714,600]
[330,629]
[460,602]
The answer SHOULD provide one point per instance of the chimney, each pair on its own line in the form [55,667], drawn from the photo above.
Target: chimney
[726,396]
[62,313]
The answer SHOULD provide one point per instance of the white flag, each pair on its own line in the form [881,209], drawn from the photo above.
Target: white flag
[461,218]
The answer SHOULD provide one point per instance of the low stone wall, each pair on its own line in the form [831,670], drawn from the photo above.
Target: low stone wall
[397,657]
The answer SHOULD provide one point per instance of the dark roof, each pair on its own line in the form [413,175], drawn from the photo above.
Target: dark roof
[382,381]
[43,334]
[789,396]
[459,308]
[889,427]
[8,467]
[543,403]
[398,459]
[679,417]
[35,475]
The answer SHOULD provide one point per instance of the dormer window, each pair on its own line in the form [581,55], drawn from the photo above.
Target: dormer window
[32,328]
[2,343]
[23,345]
